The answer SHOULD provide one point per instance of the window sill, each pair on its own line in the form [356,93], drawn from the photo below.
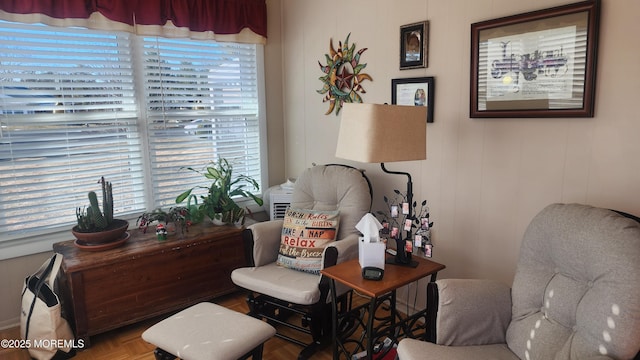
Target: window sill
[44,242]
[37,243]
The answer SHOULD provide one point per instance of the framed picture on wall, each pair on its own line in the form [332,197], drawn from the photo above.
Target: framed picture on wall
[414,45]
[414,91]
[537,64]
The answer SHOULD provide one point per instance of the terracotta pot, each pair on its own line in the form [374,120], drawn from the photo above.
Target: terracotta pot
[114,232]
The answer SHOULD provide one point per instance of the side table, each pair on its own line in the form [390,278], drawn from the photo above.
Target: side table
[349,273]
[143,278]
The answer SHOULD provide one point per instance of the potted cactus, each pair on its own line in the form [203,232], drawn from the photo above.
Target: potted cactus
[97,226]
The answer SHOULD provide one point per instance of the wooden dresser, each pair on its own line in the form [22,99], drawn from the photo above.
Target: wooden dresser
[145,277]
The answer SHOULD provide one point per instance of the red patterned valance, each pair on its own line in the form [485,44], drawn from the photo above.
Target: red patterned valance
[222,20]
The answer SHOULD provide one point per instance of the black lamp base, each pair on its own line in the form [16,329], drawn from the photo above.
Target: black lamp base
[392,261]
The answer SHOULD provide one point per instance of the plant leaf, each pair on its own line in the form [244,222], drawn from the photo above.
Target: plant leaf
[256,199]
[183,196]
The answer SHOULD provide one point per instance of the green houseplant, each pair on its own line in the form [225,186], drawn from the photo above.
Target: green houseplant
[218,204]
[177,215]
[96,226]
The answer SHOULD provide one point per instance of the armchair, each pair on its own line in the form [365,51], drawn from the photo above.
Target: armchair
[295,299]
[575,295]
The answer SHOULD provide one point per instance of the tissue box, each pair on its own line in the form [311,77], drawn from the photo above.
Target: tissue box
[371,253]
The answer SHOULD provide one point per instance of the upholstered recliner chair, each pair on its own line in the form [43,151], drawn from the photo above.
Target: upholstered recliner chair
[293,298]
[575,295]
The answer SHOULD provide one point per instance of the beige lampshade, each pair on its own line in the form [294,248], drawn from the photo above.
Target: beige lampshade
[373,133]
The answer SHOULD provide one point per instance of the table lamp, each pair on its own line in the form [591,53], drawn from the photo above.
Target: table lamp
[372,133]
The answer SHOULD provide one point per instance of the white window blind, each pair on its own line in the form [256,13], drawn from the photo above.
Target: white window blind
[68,116]
[78,104]
[201,105]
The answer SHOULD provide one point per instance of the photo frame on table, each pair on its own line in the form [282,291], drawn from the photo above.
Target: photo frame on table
[536,64]
[414,91]
[414,45]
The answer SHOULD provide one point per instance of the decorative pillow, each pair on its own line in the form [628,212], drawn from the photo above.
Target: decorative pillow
[305,234]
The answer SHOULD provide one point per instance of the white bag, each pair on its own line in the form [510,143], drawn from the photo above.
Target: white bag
[46,333]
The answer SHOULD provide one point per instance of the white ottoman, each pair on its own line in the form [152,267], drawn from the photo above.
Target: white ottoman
[209,331]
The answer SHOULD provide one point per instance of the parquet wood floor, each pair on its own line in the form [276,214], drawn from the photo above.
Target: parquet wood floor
[126,343]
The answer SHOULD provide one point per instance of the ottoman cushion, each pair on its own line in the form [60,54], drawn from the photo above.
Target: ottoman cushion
[208,331]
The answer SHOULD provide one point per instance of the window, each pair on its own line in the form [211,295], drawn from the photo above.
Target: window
[201,101]
[78,104]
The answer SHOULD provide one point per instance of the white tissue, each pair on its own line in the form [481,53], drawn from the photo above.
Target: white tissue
[370,227]
[371,251]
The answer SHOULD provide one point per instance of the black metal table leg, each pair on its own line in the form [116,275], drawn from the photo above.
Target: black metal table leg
[334,319]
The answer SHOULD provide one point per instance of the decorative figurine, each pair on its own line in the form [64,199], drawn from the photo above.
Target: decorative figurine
[161,232]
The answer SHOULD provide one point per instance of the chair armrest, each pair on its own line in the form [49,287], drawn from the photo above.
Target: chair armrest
[346,249]
[471,312]
[263,239]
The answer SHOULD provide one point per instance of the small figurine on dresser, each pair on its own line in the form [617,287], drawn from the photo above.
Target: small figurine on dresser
[161,232]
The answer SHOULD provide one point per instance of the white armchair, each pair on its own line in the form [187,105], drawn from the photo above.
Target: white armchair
[576,295]
[296,299]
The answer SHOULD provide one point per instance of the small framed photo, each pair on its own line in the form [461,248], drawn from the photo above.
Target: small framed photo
[405,208]
[394,211]
[417,241]
[424,223]
[414,92]
[394,232]
[428,250]
[408,246]
[384,232]
[414,45]
[407,225]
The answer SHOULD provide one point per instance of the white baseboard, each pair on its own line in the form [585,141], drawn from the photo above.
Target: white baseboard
[10,323]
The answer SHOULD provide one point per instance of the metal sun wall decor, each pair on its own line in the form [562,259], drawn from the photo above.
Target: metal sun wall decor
[343,75]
